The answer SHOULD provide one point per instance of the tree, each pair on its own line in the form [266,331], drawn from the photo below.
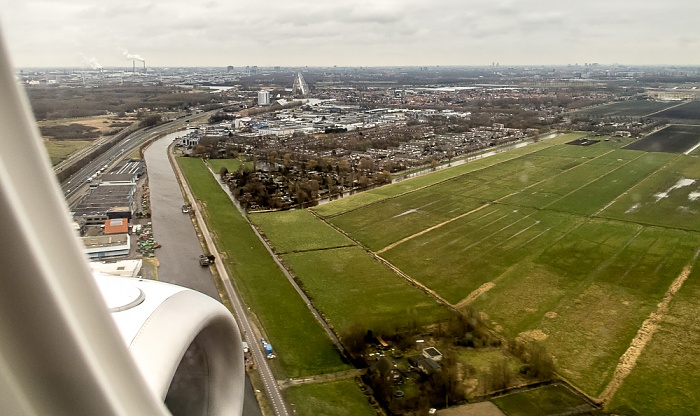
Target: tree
[354,339]
[150,121]
[223,171]
[498,376]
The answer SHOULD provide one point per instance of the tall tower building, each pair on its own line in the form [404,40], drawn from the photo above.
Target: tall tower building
[263,97]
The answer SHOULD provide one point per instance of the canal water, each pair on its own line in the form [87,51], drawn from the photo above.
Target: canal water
[179,255]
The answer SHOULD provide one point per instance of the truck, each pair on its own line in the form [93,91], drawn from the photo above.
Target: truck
[268,348]
[206,260]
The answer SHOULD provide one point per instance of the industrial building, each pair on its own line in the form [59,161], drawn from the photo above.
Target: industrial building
[112,197]
[105,246]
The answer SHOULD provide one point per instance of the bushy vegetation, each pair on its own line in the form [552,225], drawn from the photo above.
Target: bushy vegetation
[71,131]
[55,102]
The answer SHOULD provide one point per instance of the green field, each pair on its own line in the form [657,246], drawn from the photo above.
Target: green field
[631,108]
[329,399]
[547,400]
[298,230]
[670,360]
[231,164]
[59,150]
[352,288]
[302,347]
[670,197]
[571,245]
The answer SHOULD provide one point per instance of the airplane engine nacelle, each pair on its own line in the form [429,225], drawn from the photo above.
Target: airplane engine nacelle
[186,345]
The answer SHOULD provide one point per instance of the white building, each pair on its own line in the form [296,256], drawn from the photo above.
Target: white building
[263,97]
[120,268]
[107,246]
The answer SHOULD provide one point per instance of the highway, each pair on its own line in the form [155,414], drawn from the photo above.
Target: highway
[74,186]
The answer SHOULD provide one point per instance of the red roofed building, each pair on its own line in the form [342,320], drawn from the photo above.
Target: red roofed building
[117,226]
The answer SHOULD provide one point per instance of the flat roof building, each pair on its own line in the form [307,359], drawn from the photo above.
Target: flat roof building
[104,246]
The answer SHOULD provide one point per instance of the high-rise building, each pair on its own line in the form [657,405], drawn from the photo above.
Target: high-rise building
[263,97]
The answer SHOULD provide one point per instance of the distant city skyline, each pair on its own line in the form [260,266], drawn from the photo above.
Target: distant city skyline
[83,33]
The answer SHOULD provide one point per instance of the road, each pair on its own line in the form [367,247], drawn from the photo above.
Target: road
[181,246]
[271,387]
[74,186]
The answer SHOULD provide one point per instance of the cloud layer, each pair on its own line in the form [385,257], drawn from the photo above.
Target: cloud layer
[350,33]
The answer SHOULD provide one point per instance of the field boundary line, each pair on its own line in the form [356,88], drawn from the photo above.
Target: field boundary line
[396,270]
[476,293]
[322,378]
[667,108]
[308,250]
[427,230]
[628,360]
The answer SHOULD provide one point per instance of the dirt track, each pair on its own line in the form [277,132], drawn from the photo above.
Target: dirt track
[629,359]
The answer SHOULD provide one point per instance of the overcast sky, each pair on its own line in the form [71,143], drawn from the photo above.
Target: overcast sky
[78,33]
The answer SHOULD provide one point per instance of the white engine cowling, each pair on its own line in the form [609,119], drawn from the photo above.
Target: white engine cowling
[186,344]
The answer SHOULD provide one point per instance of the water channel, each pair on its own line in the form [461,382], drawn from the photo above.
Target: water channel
[179,254]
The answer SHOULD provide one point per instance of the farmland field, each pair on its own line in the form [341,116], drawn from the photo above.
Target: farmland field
[547,400]
[688,113]
[329,399]
[298,230]
[303,348]
[670,197]
[631,108]
[672,139]
[59,150]
[352,288]
[670,361]
[571,245]
[362,199]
